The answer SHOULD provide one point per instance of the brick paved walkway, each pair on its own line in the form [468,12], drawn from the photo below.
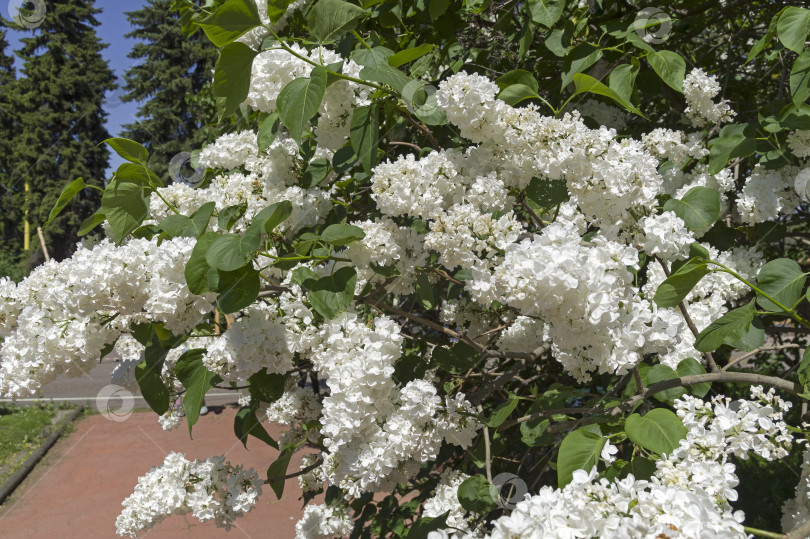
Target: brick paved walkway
[77,490]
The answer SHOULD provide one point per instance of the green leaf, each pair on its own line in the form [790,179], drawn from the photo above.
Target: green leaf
[124,207]
[315,173]
[409,55]
[748,339]
[153,390]
[458,359]
[516,93]
[276,9]
[699,208]
[622,80]
[268,130]
[300,99]
[546,194]
[91,222]
[730,326]
[804,372]
[228,216]
[129,150]
[193,227]
[517,76]
[690,367]
[333,294]
[197,380]
[437,8]
[783,280]
[279,469]
[136,173]
[422,527]
[800,78]
[197,266]
[792,28]
[732,142]
[230,21]
[230,252]
[660,373]
[578,60]
[474,495]
[266,387]
[270,217]
[764,40]
[546,12]
[239,289]
[534,432]
[585,83]
[365,134]
[246,424]
[503,411]
[70,191]
[232,76]
[680,282]
[386,74]
[330,19]
[660,431]
[424,290]
[340,235]
[670,67]
[580,450]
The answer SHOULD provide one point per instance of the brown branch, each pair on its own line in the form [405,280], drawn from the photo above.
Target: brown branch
[689,323]
[758,351]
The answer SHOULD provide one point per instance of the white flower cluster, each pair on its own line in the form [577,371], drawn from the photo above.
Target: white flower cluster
[675,146]
[230,150]
[208,489]
[767,194]
[686,497]
[273,69]
[323,521]
[255,341]
[377,434]
[297,406]
[796,511]
[700,89]
[799,143]
[269,179]
[607,177]
[665,235]
[60,318]
[594,318]
[387,245]
[445,500]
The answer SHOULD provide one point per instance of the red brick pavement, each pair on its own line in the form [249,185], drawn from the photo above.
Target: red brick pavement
[77,490]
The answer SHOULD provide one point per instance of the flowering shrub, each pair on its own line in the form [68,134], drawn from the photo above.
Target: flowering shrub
[434,286]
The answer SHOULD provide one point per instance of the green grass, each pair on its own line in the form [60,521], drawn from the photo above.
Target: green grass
[20,429]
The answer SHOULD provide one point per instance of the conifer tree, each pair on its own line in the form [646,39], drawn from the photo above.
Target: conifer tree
[9,203]
[174,70]
[60,121]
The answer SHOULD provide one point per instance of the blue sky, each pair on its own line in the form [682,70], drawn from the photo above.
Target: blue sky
[111,31]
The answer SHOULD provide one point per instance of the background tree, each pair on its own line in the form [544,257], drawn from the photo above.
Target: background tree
[8,202]
[171,80]
[60,122]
